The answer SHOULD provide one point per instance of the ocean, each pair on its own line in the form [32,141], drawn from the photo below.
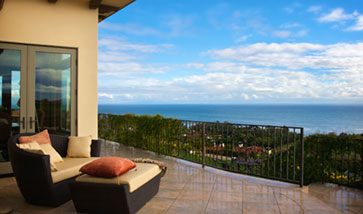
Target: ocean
[313,118]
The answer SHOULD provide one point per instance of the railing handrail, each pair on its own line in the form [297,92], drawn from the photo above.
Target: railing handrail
[229,123]
[243,124]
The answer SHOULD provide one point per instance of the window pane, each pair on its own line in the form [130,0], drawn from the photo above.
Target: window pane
[53,92]
[9,95]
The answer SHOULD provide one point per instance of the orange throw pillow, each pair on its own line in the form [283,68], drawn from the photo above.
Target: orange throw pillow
[108,167]
[40,138]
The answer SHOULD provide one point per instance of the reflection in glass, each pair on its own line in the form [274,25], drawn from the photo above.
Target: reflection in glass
[53,92]
[9,96]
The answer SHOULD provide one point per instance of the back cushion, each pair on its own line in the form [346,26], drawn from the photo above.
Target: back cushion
[42,138]
[79,147]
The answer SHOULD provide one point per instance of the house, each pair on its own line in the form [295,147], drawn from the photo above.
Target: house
[48,65]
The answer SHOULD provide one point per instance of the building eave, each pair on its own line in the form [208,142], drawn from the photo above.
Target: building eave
[106,8]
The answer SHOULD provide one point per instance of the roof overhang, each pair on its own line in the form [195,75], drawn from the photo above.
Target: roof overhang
[105,7]
[108,7]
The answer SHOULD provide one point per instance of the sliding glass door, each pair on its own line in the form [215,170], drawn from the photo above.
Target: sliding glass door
[37,90]
[53,97]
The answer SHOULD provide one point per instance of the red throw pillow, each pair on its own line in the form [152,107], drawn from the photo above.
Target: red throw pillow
[40,138]
[108,167]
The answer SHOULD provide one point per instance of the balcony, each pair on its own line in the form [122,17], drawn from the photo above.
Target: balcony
[189,188]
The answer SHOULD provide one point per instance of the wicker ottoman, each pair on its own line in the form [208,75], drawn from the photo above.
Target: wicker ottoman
[125,194]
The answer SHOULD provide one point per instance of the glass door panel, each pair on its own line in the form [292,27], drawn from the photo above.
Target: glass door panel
[12,108]
[53,92]
[52,100]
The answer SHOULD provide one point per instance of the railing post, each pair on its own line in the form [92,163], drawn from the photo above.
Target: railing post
[302,158]
[203,141]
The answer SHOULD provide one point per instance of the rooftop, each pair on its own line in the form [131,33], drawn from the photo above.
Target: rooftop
[188,188]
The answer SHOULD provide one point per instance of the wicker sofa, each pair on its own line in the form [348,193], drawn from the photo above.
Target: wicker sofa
[33,174]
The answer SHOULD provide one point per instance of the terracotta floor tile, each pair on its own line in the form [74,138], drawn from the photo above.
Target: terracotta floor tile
[353,210]
[203,177]
[184,211]
[199,186]
[188,206]
[290,208]
[223,206]
[195,195]
[229,187]
[168,193]
[147,210]
[249,207]
[172,185]
[268,198]
[159,203]
[317,211]
[226,196]
[318,205]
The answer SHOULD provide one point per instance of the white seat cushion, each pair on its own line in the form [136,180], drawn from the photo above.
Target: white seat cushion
[142,173]
[69,168]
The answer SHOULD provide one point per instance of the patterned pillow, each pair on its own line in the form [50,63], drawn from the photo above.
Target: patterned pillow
[108,167]
[41,138]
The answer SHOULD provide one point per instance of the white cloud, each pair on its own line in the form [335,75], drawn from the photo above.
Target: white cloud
[289,9]
[336,15]
[242,38]
[262,85]
[295,55]
[127,96]
[116,56]
[314,9]
[281,33]
[245,96]
[258,24]
[253,49]
[290,25]
[301,33]
[224,67]
[260,72]
[358,26]
[110,96]
[194,65]
[130,28]
[119,44]
[129,68]
[176,25]
[179,25]
[292,7]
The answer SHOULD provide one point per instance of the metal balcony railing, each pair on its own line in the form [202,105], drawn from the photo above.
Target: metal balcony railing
[274,152]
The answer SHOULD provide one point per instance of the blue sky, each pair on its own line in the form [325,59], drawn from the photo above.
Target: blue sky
[232,52]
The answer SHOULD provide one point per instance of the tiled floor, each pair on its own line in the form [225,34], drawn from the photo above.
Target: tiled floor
[187,188]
